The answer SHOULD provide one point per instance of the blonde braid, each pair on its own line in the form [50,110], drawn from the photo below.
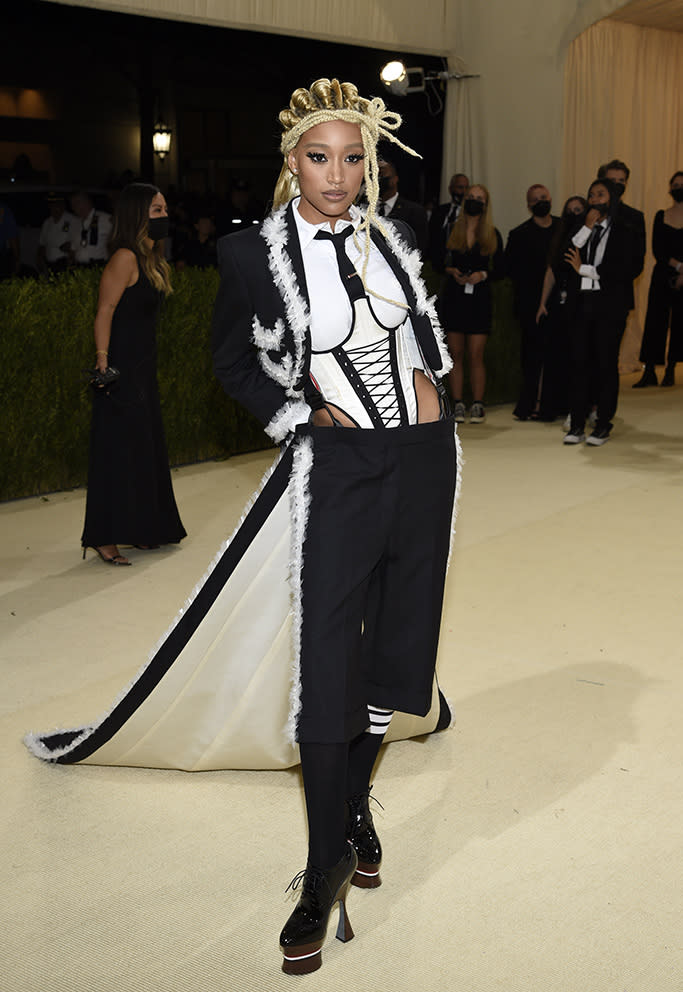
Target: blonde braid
[330,100]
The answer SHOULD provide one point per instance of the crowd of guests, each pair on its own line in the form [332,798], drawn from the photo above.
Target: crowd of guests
[572,276]
[78,227]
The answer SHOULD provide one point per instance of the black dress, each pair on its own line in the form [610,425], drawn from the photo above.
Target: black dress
[664,303]
[470,313]
[130,496]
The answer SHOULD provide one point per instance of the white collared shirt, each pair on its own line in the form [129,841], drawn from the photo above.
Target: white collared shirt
[590,277]
[329,302]
[53,234]
[388,205]
[98,252]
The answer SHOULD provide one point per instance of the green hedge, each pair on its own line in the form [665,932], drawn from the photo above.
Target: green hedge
[46,340]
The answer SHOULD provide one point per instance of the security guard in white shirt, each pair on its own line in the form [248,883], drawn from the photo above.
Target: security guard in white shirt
[90,240]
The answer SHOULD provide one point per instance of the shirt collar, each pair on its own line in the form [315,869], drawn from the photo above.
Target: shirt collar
[308,231]
[390,203]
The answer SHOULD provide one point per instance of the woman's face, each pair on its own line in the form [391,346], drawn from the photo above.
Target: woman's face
[676,183]
[598,195]
[574,207]
[157,207]
[476,193]
[328,162]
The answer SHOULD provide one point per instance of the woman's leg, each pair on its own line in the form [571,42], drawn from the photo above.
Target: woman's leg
[477,346]
[324,768]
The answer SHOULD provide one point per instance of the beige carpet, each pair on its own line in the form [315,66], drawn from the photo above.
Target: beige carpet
[534,847]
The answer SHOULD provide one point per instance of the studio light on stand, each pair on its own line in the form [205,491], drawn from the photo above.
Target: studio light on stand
[400,79]
[161,140]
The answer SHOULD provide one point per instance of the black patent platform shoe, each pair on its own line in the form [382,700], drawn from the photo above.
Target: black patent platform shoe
[303,934]
[360,831]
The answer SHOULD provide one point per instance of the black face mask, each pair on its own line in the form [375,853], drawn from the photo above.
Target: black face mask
[677,194]
[541,208]
[602,208]
[456,198]
[384,183]
[619,189]
[573,217]
[473,208]
[157,228]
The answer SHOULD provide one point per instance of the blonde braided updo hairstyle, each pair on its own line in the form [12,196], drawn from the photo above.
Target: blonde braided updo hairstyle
[330,100]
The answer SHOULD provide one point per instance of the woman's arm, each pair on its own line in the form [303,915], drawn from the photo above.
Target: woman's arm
[548,286]
[236,362]
[119,273]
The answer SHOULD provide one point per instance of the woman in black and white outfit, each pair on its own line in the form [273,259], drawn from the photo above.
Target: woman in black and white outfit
[605,260]
[323,330]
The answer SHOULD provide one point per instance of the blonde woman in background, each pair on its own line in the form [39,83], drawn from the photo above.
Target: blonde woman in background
[474,258]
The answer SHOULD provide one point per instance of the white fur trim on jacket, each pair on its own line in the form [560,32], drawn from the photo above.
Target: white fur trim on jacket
[267,337]
[274,232]
[411,263]
[300,501]
[290,414]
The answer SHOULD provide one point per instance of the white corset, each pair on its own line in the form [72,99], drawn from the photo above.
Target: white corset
[369,376]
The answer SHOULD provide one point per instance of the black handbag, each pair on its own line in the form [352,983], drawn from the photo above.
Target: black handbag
[102,380]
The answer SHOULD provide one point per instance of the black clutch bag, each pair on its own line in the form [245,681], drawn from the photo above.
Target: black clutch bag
[102,380]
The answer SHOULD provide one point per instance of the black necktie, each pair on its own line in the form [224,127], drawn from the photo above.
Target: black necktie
[593,242]
[353,286]
[382,209]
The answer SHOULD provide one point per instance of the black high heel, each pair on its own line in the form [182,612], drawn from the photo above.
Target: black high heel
[648,378]
[108,561]
[303,934]
[361,834]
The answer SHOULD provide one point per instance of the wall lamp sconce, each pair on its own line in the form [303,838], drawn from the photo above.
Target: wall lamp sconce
[400,80]
[161,140]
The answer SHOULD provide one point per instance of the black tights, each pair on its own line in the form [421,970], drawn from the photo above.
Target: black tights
[331,772]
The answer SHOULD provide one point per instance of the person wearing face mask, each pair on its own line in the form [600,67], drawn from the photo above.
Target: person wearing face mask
[551,315]
[393,205]
[665,298]
[443,218]
[474,258]
[618,173]
[604,257]
[130,496]
[526,257]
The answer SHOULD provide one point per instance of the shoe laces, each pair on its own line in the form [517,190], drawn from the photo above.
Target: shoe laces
[311,878]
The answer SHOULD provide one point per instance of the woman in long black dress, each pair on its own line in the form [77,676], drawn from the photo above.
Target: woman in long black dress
[665,299]
[130,496]
[475,256]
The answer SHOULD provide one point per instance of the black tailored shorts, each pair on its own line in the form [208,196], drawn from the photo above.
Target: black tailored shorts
[375,554]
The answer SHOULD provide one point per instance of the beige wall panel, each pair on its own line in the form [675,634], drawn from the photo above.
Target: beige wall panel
[505,128]
[376,23]
[623,99]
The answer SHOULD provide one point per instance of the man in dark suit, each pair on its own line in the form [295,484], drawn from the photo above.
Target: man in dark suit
[443,218]
[526,260]
[393,205]
[618,173]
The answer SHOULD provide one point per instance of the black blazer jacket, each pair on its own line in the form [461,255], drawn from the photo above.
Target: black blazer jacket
[635,220]
[620,265]
[416,217]
[261,325]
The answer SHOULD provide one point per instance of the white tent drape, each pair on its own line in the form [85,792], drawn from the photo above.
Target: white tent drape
[623,98]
